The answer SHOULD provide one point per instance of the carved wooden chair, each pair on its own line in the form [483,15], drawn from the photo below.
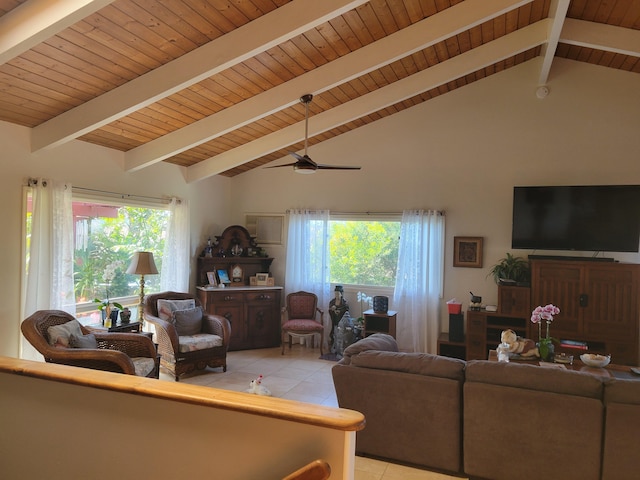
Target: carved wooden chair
[60,338]
[188,338]
[299,318]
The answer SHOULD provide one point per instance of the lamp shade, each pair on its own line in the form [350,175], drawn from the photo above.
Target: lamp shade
[142,264]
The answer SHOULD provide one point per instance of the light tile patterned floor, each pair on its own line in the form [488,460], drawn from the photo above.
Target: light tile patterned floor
[299,375]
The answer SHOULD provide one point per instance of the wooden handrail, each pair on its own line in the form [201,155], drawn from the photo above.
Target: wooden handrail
[316,470]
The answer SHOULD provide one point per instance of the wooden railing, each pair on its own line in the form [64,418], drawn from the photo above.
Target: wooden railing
[109,425]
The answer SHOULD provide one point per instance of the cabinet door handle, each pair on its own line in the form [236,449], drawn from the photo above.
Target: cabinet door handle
[584,300]
[227,298]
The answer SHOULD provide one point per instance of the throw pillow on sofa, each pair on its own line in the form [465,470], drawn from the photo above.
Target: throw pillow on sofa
[188,322]
[167,307]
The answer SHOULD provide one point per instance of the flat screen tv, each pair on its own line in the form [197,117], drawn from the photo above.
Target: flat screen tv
[603,218]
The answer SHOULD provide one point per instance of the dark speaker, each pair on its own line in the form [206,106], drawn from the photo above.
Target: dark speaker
[456,327]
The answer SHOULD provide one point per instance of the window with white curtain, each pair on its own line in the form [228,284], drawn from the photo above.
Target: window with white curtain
[106,234]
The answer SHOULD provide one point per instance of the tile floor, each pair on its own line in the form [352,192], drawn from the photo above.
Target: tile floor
[298,375]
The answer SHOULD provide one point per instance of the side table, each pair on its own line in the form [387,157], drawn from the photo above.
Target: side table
[379,322]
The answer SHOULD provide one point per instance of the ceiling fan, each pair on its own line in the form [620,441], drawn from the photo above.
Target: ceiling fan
[304,163]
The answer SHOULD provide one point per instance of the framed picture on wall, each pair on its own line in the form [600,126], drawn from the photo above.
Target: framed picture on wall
[467,252]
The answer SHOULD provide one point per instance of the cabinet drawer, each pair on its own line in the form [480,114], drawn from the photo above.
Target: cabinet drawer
[266,297]
[227,296]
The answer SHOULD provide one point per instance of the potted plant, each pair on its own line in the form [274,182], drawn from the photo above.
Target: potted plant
[511,270]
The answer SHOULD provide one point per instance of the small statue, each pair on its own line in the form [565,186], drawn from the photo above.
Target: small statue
[337,308]
[512,344]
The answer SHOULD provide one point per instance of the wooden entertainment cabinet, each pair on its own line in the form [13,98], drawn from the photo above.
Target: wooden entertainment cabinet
[599,304]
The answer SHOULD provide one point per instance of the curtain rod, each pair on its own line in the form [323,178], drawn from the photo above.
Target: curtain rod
[120,195]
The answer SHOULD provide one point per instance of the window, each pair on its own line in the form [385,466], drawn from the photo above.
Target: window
[105,237]
[364,252]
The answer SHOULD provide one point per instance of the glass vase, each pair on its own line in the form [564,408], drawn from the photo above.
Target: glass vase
[547,350]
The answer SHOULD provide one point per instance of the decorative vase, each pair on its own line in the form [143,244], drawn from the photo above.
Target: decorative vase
[547,351]
[380,304]
[125,316]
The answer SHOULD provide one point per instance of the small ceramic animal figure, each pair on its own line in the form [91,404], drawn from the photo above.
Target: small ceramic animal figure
[256,387]
[512,343]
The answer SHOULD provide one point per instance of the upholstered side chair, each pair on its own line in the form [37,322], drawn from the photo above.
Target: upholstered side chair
[188,338]
[60,338]
[300,318]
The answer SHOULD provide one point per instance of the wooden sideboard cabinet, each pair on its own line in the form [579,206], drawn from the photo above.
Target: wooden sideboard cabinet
[254,314]
[599,304]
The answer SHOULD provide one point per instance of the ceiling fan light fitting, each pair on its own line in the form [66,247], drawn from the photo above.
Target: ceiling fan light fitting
[304,169]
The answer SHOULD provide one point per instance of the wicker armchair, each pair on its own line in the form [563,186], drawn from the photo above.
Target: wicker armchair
[176,354]
[116,352]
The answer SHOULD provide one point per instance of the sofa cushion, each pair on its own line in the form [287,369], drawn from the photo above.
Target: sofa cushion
[377,341]
[59,334]
[167,307]
[188,322]
[533,377]
[622,391]
[416,363]
[83,341]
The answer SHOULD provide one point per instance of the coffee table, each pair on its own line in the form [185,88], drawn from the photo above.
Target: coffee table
[610,371]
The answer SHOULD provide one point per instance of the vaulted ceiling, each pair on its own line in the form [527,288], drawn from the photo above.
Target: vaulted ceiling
[214,85]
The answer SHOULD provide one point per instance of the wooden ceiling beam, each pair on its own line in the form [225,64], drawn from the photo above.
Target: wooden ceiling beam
[504,47]
[557,13]
[35,21]
[411,39]
[601,37]
[275,27]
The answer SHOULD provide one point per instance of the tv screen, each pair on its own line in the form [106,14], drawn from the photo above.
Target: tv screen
[588,218]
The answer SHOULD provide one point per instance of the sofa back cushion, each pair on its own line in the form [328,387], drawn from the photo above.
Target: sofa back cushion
[416,363]
[533,377]
[377,341]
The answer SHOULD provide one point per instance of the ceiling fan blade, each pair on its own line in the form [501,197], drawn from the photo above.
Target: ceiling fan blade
[285,165]
[336,167]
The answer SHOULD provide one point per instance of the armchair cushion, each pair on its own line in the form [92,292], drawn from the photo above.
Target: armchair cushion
[83,341]
[59,334]
[167,307]
[188,322]
[143,365]
[199,341]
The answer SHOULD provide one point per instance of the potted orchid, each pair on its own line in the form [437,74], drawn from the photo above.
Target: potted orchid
[545,345]
[105,306]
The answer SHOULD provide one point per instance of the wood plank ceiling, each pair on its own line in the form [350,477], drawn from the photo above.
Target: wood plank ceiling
[214,85]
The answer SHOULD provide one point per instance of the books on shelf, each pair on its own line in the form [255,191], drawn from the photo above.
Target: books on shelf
[578,345]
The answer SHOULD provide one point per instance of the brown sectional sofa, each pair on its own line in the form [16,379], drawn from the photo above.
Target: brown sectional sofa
[487,419]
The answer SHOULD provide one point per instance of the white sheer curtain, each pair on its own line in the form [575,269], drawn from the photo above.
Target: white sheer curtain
[174,275]
[308,256]
[49,279]
[419,281]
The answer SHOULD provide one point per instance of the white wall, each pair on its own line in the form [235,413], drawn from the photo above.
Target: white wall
[464,151]
[85,165]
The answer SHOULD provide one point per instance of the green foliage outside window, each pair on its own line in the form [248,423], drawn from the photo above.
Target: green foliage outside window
[104,247]
[364,253]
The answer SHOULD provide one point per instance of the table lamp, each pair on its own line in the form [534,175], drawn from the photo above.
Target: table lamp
[142,264]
